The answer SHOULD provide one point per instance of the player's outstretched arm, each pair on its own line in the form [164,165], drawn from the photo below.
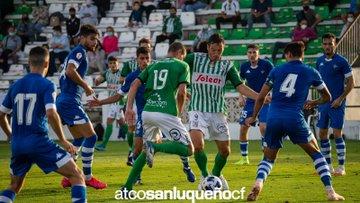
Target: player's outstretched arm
[129,113]
[325,96]
[349,85]
[4,124]
[75,77]
[109,100]
[247,91]
[258,104]
[181,97]
[54,120]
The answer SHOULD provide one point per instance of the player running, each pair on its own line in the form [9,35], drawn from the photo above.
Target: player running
[290,85]
[255,71]
[112,78]
[69,104]
[207,103]
[337,75]
[31,100]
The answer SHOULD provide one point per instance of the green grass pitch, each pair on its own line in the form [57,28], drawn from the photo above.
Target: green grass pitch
[291,180]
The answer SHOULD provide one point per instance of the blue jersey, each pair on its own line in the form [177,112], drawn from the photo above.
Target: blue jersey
[334,71]
[139,98]
[28,99]
[255,77]
[69,89]
[291,82]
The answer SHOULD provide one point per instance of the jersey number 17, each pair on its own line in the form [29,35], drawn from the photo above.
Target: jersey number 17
[19,100]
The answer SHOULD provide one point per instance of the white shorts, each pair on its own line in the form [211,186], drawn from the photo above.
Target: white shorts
[115,111]
[216,123]
[155,123]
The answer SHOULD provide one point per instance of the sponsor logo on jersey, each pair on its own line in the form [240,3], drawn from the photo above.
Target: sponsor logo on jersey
[78,55]
[208,79]
[175,134]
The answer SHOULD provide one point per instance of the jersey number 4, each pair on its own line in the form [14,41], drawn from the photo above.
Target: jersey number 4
[160,78]
[19,100]
[288,86]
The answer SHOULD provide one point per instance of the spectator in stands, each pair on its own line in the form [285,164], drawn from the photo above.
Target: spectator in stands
[88,13]
[202,36]
[309,14]
[302,32]
[148,6]
[26,30]
[260,11]
[43,3]
[110,42]
[172,28]
[72,26]
[354,6]
[230,12]
[193,5]
[96,59]
[331,3]
[40,17]
[348,20]
[103,6]
[164,4]
[11,47]
[135,18]
[60,46]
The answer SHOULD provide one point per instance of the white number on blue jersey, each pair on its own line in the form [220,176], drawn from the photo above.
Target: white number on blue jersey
[161,77]
[288,86]
[19,99]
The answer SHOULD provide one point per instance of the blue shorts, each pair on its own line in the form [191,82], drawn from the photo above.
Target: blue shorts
[331,117]
[71,112]
[278,128]
[38,149]
[248,111]
[139,131]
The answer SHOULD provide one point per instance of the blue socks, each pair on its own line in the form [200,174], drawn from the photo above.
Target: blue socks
[88,155]
[7,196]
[78,194]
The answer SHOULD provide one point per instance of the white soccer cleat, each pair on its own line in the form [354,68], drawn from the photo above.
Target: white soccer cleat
[331,169]
[200,183]
[340,171]
[255,191]
[225,185]
[149,150]
[333,196]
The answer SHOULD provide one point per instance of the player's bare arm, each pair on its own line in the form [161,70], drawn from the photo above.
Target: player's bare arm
[349,85]
[130,113]
[100,79]
[246,91]
[74,76]
[181,97]
[54,121]
[324,98]
[96,102]
[4,124]
[258,104]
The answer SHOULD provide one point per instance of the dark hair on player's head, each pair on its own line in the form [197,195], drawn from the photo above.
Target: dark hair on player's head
[253,46]
[296,49]
[328,36]
[72,9]
[216,39]
[87,29]
[142,50]
[112,58]
[173,7]
[37,56]
[144,40]
[177,46]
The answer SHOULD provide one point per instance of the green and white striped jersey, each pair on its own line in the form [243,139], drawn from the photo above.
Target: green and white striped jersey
[113,82]
[130,66]
[208,82]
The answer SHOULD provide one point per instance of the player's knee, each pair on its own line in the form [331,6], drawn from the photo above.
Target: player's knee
[198,147]
[76,176]
[224,152]
[15,186]
[190,149]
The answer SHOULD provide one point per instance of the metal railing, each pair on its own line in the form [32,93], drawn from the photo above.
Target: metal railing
[349,44]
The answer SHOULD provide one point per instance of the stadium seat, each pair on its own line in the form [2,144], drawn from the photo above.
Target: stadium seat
[280,3]
[284,15]
[255,33]
[228,51]
[161,50]
[218,5]
[126,37]
[286,32]
[154,35]
[323,11]
[187,18]
[56,8]
[192,36]
[273,32]
[28,47]
[240,49]
[313,47]
[265,48]
[106,22]
[238,34]
[211,21]
[4,84]
[119,6]
[224,33]
[129,52]
[143,33]
[15,69]
[121,22]
[155,20]
[295,2]
[71,5]
[245,3]
[54,79]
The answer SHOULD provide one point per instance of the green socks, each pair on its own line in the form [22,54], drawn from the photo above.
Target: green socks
[108,132]
[219,164]
[201,161]
[130,139]
[135,171]
[172,147]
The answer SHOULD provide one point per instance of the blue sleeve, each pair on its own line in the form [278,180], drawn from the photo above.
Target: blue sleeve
[317,81]
[125,88]
[242,71]
[270,78]
[49,96]
[76,57]
[317,64]
[269,66]
[7,104]
[346,68]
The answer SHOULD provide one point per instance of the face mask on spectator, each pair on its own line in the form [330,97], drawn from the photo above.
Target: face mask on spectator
[303,26]
[110,33]
[57,34]
[72,15]
[11,33]
[350,19]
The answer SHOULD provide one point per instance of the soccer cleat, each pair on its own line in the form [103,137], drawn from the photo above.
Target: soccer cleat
[138,181]
[149,150]
[95,183]
[333,196]
[255,191]
[225,185]
[189,174]
[331,169]
[65,183]
[201,180]
[243,160]
[340,171]
[130,160]
[100,147]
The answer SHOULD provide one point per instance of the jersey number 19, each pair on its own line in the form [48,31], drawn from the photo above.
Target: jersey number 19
[160,78]
[19,100]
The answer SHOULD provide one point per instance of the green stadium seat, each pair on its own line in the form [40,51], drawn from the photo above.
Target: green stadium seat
[272,32]
[286,32]
[227,50]
[218,5]
[224,33]
[211,21]
[337,12]
[323,11]
[314,47]
[245,3]
[265,48]
[284,15]
[192,36]
[280,3]
[295,2]
[237,64]
[23,9]
[238,34]
[280,62]
[255,33]
[240,49]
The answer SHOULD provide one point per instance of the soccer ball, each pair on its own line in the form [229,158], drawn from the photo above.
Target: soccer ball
[211,183]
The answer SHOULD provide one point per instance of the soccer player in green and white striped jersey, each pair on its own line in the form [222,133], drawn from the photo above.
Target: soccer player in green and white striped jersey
[112,77]
[207,104]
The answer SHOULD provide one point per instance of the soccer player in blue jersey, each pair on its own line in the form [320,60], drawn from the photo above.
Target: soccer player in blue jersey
[337,75]
[255,72]
[32,103]
[290,85]
[68,103]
